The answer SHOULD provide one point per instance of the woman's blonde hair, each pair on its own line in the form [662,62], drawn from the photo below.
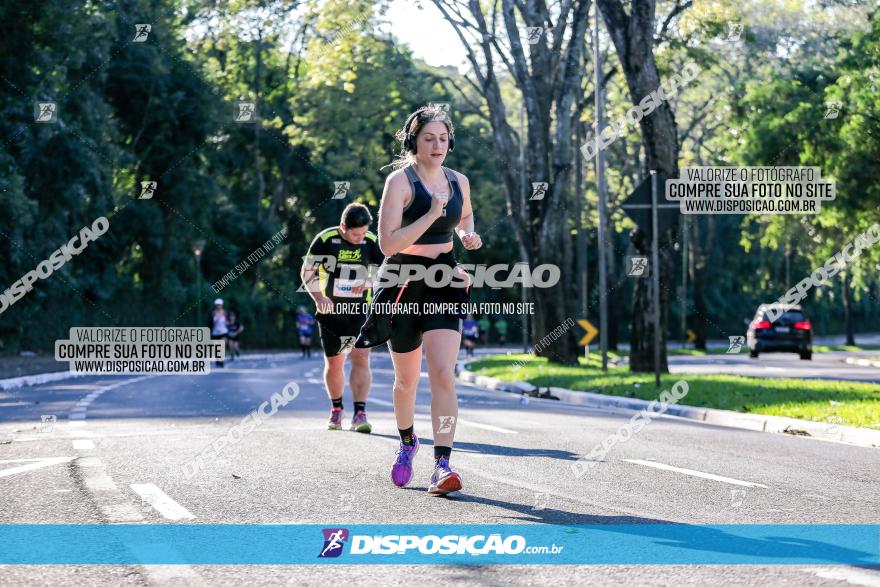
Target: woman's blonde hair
[414,124]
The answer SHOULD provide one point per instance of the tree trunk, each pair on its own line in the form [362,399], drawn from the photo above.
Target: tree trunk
[699,308]
[633,37]
[848,323]
[549,78]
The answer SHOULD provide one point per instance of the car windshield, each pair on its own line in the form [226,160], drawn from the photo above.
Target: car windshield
[790,316]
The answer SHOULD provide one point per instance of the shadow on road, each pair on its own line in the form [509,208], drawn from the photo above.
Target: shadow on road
[497,450]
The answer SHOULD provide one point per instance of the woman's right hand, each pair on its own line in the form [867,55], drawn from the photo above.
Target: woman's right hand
[438,203]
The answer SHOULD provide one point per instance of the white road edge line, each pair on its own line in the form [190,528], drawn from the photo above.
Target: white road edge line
[83,444]
[161,502]
[693,473]
[851,576]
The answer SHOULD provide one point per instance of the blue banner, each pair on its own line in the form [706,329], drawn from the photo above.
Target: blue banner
[629,544]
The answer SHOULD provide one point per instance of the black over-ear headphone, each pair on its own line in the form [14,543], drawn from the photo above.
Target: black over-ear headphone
[409,139]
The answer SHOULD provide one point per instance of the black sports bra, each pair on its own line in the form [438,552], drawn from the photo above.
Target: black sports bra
[441,230]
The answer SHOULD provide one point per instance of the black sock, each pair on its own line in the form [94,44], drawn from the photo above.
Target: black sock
[360,407]
[407,436]
[337,403]
[442,451]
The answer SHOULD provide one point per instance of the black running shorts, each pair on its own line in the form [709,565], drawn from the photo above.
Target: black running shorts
[406,334]
[338,333]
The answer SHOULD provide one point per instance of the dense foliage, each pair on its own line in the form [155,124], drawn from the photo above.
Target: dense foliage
[330,90]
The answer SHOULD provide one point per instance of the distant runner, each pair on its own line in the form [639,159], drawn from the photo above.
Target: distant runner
[305,323]
[338,253]
[235,329]
[484,326]
[471,333]
[218,323]
[501,329]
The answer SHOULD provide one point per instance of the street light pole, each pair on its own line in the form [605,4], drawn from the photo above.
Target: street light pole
[600,188]
[522,200]
[655,276]
[197,247]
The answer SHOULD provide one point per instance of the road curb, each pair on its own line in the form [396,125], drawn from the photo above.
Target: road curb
[755,422]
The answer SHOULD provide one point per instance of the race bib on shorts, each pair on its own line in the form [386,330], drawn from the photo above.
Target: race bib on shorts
[343,288]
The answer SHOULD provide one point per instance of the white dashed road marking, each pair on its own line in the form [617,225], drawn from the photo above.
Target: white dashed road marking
[32,464]
[693,473]
[83,444]
[161,502]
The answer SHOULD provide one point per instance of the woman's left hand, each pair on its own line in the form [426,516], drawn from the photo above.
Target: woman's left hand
[471,241]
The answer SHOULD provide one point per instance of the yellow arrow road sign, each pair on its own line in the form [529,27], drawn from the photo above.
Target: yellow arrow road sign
[692,336]
[592,331]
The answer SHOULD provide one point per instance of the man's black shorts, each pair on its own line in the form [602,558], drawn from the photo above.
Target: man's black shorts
[339,332]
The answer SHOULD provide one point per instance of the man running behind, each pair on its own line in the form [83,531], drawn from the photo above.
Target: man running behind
[328,273]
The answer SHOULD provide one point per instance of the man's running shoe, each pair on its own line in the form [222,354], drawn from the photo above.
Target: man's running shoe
[444,480]
[335,422]
[402,471]
[359,423]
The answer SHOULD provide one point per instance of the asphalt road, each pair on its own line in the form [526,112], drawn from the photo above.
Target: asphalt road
[830,365]
[515,460]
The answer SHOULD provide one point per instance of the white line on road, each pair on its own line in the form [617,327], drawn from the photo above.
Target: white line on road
[37,465]
[480,471]
[28,460]
[83,444]
[313,380]
[471,424]
[487,427]
[161,502]
[97,479]
[461,422]
[693,473]
[851,576]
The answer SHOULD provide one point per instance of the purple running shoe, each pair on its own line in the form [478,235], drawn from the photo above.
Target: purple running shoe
[335,422]
[402,471]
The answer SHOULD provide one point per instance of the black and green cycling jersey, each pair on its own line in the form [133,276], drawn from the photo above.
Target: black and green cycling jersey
[336,257]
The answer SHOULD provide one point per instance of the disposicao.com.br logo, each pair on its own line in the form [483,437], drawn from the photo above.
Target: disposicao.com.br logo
[334,540]
[402,544]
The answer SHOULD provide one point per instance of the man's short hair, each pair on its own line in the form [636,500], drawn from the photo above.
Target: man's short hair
[356,216]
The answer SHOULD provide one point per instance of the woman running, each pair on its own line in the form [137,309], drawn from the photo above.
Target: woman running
[422,205]
[218,324]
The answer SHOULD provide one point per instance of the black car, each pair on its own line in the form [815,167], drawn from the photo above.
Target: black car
[789,333]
